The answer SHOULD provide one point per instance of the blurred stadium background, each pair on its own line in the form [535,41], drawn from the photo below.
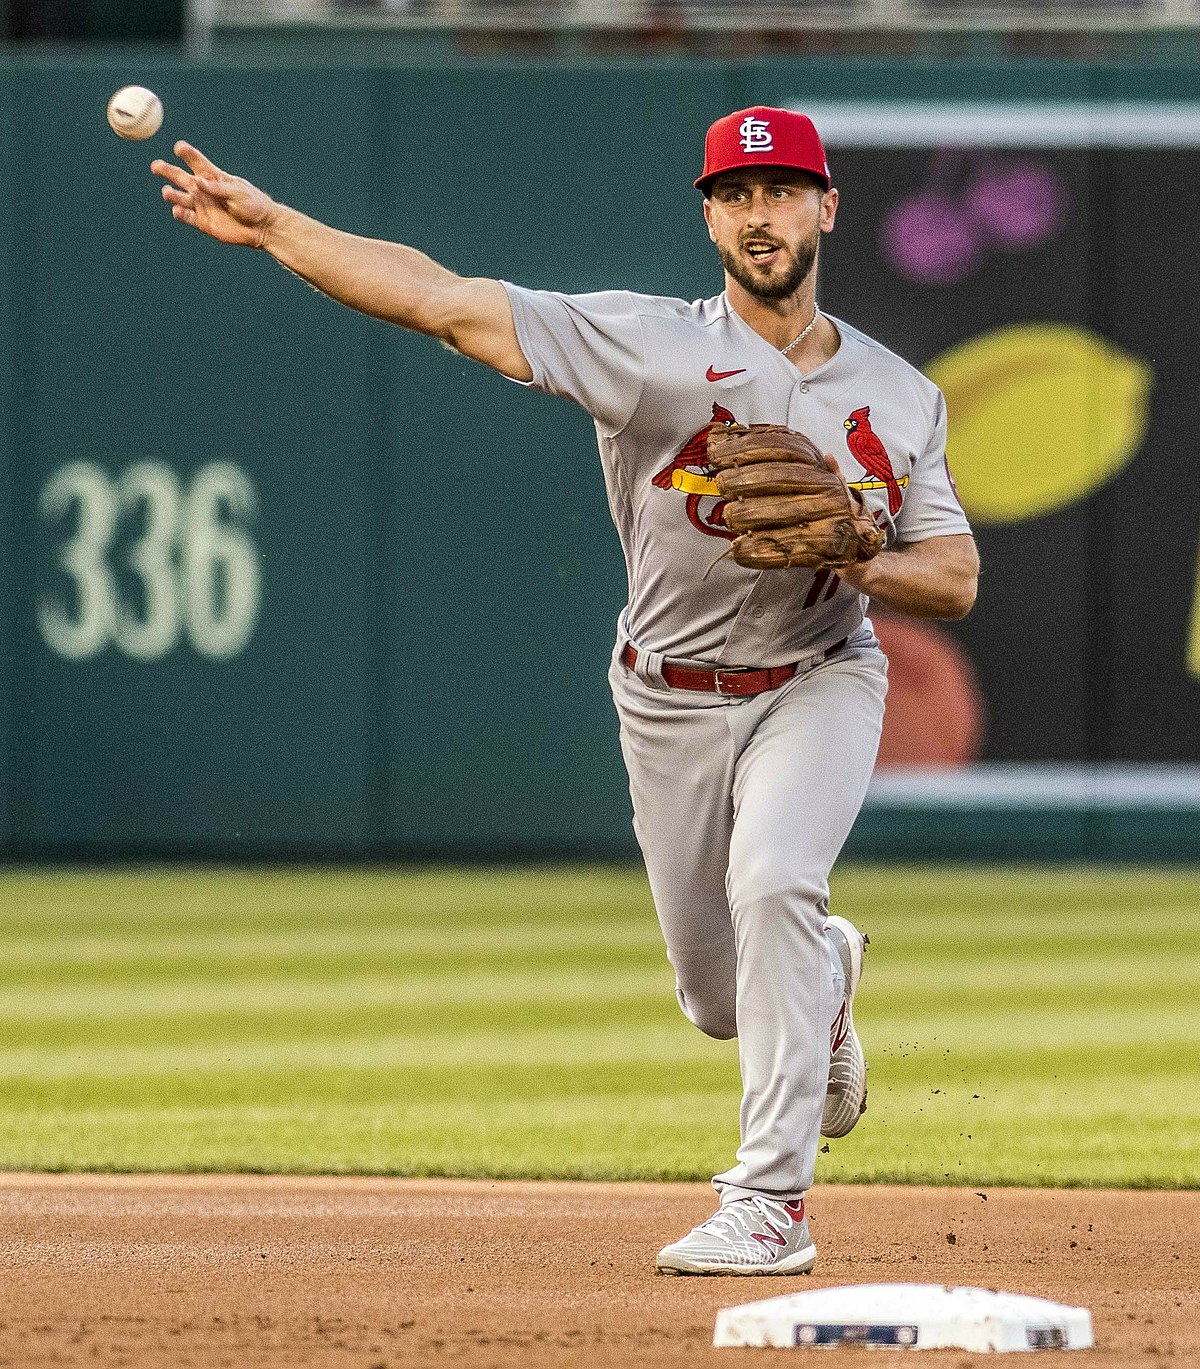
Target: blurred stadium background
[225,636]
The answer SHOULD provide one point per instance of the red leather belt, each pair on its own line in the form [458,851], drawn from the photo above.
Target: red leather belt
[740,683]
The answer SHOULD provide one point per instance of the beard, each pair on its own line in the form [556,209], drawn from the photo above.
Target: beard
[803,259]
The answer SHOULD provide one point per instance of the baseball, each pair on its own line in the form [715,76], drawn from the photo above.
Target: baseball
[135,112]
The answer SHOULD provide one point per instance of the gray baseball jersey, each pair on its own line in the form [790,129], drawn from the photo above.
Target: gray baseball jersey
[653,373]
[741,806]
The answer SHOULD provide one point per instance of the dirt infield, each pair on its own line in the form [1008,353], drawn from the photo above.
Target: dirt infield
[382,1273]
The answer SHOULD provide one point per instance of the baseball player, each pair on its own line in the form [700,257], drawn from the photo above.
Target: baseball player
[749,686]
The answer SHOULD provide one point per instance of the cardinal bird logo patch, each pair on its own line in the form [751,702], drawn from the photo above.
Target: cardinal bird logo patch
[690,473]
[871,455]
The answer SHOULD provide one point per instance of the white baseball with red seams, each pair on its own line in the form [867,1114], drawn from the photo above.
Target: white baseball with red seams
[135,113]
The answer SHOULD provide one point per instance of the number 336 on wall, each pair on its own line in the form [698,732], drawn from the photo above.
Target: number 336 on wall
[148,559]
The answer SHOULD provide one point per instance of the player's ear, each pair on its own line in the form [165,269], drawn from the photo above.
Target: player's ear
[708,218]
[829,204]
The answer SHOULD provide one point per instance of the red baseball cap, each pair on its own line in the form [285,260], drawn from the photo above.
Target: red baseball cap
[762,136]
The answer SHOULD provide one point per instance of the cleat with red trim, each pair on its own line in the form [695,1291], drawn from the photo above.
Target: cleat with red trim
[846,1095]
[745,1236]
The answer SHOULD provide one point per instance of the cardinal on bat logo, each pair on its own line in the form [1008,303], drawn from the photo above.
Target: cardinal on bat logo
[871,455]
[690,472]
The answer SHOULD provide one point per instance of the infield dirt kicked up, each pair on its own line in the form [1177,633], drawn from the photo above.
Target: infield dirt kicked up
[381,1273]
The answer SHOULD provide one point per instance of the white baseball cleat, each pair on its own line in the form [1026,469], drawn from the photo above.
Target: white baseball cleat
[745,1236]
[846,1095]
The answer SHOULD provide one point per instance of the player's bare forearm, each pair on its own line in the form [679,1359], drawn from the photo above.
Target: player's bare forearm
[400,285]
[384,279]
[387,280]
[937,578]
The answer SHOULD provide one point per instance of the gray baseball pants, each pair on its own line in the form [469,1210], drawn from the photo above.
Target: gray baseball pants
[740,808]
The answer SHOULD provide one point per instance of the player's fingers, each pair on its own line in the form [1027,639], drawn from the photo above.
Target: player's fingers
[184,215]
[220,187]
[196,160]
[175,174]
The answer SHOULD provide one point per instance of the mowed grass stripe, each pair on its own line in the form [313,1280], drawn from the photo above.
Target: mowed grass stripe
[581,1044]
[47,906]
[253,998]
[1082,969]
[1012,886]
[1081,983]
[46,903]
[575,1136]
[633,999]
[1037,945]
[228,949]
[419,1024]
[590,1044]
[572,1136]
[58,903]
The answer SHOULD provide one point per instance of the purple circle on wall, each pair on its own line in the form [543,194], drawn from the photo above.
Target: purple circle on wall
[931,239]
[1018,206]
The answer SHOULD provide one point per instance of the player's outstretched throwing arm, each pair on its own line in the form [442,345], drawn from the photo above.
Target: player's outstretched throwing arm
[384,279]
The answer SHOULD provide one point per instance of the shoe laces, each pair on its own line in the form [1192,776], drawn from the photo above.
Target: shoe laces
[739,1218]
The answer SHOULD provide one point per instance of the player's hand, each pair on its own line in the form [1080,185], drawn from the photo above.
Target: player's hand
[225,207]
[860,576]
[857,576]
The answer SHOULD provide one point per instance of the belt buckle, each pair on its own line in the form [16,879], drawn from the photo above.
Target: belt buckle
[731,693]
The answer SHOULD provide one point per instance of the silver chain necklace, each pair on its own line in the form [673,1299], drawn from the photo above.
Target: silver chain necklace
[799,338]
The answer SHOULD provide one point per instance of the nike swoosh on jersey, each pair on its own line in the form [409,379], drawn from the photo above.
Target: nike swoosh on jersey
[710,374]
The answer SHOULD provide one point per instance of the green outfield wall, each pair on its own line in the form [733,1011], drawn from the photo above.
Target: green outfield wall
[234,623]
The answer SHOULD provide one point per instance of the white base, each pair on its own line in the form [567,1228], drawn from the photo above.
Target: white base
[914,1316]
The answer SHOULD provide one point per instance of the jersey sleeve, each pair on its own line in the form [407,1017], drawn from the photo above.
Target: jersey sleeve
[931,505]
[588,348]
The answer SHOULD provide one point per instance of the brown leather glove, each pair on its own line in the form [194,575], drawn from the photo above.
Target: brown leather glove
[789,507]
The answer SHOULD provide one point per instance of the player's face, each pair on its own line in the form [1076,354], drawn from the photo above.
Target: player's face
[767,225]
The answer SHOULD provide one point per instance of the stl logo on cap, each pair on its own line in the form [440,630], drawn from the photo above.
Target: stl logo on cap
[762,136]
[755,135]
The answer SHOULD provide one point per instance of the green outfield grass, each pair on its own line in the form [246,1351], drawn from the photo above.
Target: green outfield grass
[1023,1026]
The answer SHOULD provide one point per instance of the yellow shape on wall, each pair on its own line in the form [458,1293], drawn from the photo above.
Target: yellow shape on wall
[1040,415]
